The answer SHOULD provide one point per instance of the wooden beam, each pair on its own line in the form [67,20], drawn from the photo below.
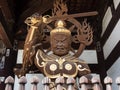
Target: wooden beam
[5,34]
[5,9]
[4,37]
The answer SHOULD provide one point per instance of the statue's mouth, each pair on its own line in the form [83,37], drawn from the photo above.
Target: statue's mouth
[60,48]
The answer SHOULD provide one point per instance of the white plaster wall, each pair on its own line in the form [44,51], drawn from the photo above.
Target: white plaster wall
[106,20]
[116,3]
[19,56]
[113,39]
[114,72]
[89,56]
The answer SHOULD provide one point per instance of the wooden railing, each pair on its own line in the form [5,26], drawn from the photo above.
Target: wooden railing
[83,83]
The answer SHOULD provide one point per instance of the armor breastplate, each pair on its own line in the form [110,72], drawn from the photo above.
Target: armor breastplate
[54,67]
[60,67]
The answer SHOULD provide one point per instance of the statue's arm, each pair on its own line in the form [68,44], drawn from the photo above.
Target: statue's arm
[32,44]
[30,50]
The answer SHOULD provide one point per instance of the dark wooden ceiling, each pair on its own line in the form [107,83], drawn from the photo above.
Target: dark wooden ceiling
[25,8]
[76,6]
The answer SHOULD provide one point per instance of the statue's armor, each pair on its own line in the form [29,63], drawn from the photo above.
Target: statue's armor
[54,66]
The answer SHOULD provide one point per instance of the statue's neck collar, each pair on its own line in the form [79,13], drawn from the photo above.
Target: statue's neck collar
[57,57]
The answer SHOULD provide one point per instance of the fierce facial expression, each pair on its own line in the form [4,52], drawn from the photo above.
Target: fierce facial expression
[60,44]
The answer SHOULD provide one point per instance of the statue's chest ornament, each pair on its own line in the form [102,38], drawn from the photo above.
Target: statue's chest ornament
[60,67]
[62,64]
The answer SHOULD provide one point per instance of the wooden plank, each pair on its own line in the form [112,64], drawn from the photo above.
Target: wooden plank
[4,37]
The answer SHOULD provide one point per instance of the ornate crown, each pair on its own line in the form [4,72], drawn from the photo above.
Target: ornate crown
[60,28]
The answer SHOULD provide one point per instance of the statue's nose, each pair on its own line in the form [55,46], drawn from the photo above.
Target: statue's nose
[60,43]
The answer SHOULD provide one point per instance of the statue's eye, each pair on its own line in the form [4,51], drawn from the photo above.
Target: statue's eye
[56,40]
[64,40]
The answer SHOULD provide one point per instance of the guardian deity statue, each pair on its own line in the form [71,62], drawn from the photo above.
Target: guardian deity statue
[59,61]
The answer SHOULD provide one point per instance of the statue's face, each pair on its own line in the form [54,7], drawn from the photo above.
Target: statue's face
[60,44]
